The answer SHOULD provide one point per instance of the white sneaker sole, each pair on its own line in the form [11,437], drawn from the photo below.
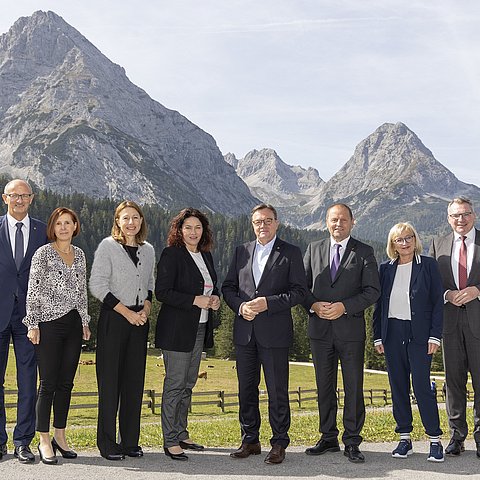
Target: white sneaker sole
[433,459]
[397,455]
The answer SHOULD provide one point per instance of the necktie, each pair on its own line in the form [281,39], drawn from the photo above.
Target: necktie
[462,266]
[19,245]
[335,262]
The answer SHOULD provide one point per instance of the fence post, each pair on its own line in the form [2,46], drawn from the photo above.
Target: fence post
[221,394]
[299,392]
[152,400]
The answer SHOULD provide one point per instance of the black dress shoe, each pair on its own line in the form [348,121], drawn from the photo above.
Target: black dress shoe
[24,454]
[322,447]
[134,452]
[70,454]
[175,456]
[47,460]
[114,456]
[354,454]
[191,446]
[3,450]
[455,447]
[247,449]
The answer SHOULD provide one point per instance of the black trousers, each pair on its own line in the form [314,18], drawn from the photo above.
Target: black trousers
[326,354]
[57,358]
[120,363]
[274,361]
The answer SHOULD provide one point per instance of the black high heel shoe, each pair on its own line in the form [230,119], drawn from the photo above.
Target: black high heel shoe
[175,456]
[47,460]
[70,454]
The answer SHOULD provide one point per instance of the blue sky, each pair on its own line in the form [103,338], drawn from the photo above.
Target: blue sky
[310,79]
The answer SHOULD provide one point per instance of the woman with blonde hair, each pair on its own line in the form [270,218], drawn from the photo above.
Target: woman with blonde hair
[407,325]
[122,279]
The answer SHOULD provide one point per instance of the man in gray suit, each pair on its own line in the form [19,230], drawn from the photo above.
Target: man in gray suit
[343,280]
[458,256]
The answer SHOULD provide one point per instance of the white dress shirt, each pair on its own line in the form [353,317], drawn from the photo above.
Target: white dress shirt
[260,257]
[12,230]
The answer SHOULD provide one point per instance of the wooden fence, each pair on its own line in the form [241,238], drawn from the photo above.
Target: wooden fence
[222,399]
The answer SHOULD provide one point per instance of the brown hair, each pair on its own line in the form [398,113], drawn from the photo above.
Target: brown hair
[117,233]
[53,220]
[262,206]
[340,205]
[175,237]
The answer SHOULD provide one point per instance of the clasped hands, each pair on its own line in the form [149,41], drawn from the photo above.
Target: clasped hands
[206,302]
[461,297]
[328,310]
[249,310]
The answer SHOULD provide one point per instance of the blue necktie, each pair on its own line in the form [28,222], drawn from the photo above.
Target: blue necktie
[19,245]
[335,262]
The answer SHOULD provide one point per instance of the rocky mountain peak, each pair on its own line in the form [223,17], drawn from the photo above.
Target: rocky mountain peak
[71,120]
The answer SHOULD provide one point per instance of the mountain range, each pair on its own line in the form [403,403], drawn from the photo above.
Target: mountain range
[391,177]
[71,121]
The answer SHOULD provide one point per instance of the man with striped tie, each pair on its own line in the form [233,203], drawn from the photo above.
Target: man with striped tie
[342,278]
[458,255]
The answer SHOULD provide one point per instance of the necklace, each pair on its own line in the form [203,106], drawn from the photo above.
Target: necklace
[63,251]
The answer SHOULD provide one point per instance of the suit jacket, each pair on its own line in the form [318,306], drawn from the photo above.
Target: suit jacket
[282,283]
[12,282]
[356,285]
[441,249]
[178,282]
[426,300]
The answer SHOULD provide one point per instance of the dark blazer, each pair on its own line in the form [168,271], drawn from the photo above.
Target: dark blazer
[356,285]
[13,282]
[441,249]
[178,282]
[426,300]
[282,283]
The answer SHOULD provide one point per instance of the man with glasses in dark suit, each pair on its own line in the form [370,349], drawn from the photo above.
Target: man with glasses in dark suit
[20,236]
[265,280]
[458,256]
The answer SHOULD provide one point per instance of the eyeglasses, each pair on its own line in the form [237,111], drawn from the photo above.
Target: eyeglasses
[16,196]
[259,223]
[456,216]
[407,239]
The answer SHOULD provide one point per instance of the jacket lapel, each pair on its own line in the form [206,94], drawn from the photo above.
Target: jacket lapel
[416,269]
[346,258]
[473,278]
[272,258]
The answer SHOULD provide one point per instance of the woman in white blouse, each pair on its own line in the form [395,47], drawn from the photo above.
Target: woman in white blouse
[407,325]
[186,285]
[57,320]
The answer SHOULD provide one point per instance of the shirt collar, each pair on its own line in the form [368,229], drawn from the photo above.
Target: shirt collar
[267,246]
[470,235]
[343,243]
[12,222]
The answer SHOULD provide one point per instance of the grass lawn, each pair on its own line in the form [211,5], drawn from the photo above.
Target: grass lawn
[207,423]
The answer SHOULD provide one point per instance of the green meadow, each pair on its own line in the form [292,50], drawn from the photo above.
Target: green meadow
[207,423]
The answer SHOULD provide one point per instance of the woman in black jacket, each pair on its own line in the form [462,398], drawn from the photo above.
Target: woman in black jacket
[186,286]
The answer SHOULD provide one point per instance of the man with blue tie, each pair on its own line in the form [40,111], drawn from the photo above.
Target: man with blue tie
[20,236]
[343,280]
